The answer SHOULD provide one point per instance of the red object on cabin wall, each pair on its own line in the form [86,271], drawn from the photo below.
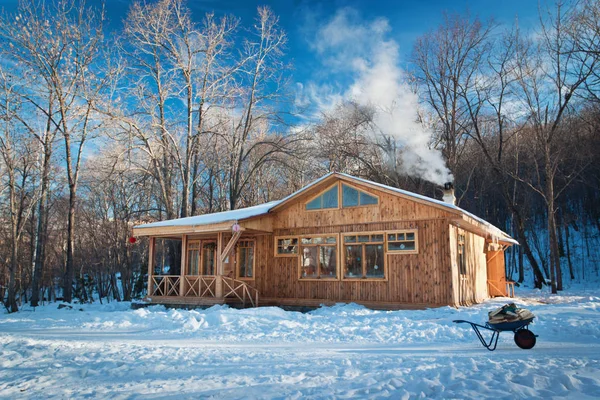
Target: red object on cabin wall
[132,240]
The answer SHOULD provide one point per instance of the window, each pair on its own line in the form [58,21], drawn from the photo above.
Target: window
[318,257]
[352,197]
[193,255]
[403,242]
[329,199]
[245,259]
[364,256]
[286,246]
[462,262]
[208,258]
[201,257]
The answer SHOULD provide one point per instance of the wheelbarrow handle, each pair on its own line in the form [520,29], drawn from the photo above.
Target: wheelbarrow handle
[491,345]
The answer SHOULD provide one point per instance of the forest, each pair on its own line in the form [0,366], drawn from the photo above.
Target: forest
[173,116]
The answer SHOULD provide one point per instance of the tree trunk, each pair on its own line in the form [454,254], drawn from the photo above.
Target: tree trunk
[568,246]
[521,266]
[40,247]
[12,280]
[68,282]
[555,271]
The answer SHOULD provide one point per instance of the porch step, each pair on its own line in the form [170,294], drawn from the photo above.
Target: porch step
[189,302]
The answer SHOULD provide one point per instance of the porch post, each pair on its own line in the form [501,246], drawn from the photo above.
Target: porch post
[219,280]
[184,240]
[150,264]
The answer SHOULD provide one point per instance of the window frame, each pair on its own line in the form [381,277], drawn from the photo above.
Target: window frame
[364,278]
[202,243]
[359,192]
[337,255]
[277,238]
[321,193]
[237,259]
[200,249]
[404,231]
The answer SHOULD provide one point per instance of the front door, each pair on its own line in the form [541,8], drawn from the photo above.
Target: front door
[201,257]
[208,258]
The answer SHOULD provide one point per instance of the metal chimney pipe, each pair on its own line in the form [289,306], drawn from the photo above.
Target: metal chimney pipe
[449,193]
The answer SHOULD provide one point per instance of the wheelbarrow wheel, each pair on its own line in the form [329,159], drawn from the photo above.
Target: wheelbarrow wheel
[525,339]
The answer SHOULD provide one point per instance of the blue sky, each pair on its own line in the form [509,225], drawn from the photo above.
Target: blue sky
[357,50]
[301,18]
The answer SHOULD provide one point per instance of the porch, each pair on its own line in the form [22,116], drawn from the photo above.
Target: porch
[202,290]
[202,268]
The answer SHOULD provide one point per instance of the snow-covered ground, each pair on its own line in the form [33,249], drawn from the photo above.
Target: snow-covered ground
[345,351]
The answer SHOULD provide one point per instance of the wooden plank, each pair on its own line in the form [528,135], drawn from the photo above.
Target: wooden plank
[151,249]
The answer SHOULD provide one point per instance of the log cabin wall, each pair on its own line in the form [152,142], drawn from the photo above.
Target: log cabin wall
[421,279]
[469,287]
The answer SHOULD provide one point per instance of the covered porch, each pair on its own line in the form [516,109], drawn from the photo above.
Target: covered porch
[202,265]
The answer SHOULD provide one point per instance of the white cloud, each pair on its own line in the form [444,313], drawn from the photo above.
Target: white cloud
[362,51]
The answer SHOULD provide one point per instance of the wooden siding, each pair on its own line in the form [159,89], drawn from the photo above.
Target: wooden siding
[423,278]
[429,278]
[390,208]
[471,287]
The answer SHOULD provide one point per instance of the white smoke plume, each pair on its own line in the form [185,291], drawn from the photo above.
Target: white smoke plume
[363,53]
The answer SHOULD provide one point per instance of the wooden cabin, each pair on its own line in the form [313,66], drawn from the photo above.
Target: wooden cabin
[339,239]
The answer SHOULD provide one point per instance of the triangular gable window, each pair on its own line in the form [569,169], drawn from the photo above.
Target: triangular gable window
[329,199]
[352,197]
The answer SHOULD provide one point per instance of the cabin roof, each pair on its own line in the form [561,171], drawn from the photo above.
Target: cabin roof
[262,209]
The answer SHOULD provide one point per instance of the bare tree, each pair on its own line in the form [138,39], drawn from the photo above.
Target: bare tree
[447,63]
[549,77]
[60,44]
[260,87]
[18,165]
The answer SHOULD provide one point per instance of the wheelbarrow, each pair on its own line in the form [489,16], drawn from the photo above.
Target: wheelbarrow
[524,338]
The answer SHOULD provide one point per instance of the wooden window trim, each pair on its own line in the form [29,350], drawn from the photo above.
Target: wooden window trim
[337,254]
[188,258]
[277,238]
[237,260]
[401,252]
[201,243]
[385,261]
[341,200]
[321,193]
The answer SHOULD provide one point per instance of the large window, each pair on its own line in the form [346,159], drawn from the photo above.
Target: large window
[364,256]
[318,257]
[402,241]
[245,259]
[201,257]
[352,197]
[329,199]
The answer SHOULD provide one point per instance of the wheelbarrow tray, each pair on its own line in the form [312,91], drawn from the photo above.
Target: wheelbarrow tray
[511,326]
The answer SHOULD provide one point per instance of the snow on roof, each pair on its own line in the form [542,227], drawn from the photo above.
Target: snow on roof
[261,209]
[493,229]
[215,218]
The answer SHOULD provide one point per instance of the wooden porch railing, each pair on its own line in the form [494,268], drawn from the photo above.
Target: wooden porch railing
[241,290]
[203,286]
[497,284]
[165,285]
[200,286]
